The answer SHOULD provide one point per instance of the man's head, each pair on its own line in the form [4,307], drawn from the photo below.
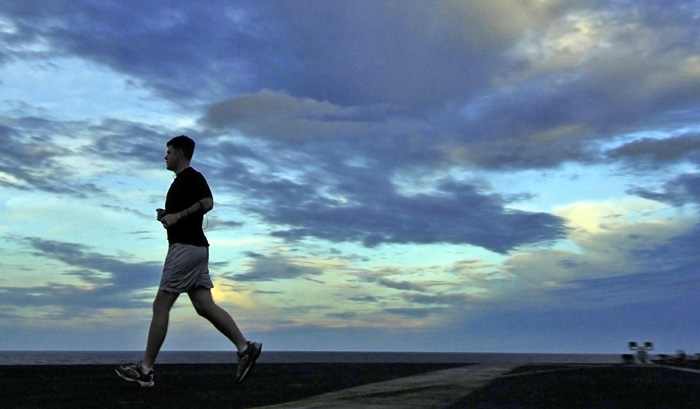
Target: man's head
[179,154]
[183,143]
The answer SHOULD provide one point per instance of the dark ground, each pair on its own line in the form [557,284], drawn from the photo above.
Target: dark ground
[210,386]
[610,387]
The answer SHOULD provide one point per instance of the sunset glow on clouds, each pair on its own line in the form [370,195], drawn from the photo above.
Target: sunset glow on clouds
[507,176]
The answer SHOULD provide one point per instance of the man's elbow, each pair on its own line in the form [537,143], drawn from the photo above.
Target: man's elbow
[207,204]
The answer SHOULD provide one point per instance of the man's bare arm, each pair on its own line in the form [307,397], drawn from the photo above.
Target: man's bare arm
[205,205]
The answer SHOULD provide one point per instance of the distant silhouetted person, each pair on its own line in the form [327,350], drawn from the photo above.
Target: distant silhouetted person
[186,267]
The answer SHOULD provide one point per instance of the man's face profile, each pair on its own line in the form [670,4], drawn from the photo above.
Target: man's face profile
[172,157]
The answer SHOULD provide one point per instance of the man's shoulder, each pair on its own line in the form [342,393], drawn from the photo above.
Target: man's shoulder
[197,181]
[191,173]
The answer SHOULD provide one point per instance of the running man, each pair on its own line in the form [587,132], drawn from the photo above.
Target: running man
[186,267]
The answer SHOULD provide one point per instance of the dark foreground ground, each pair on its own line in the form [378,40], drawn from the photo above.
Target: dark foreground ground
[190,386]
[212,386]
[568,387]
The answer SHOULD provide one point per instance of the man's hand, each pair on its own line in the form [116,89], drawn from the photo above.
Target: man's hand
[203,205]
[170,220]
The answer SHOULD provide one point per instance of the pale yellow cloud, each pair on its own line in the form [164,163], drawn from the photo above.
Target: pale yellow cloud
[691,67]
[563,43]
[239,297]
[604,236]
[501,18]
[594,217]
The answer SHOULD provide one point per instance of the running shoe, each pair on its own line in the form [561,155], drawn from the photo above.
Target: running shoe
[246,360]
[134,373]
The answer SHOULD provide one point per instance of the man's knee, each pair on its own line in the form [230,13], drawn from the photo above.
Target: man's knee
[163,303]
[160,308]
[204,307]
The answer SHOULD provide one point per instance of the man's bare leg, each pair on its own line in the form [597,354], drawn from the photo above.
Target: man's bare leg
[159,326]
[207,308]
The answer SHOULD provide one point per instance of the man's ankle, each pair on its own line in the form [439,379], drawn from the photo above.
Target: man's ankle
[245,348]
[145,369]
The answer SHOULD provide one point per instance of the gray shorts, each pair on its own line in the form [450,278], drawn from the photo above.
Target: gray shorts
[186,268]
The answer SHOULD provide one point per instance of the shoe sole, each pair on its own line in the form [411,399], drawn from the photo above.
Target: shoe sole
[140,382]
[248,369]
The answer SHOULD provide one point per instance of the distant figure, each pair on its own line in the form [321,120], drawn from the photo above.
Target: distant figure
[186,267]
[680,355]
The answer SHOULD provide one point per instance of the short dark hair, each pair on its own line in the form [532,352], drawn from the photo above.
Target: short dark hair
[184,143]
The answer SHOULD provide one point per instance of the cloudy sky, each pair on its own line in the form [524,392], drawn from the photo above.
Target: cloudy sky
[464,175]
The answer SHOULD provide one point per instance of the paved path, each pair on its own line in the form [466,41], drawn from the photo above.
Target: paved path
[679,368]
[432,390]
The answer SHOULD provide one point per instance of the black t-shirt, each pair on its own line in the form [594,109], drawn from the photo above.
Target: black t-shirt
[188,187]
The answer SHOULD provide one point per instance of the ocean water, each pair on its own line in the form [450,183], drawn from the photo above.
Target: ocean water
[216,357]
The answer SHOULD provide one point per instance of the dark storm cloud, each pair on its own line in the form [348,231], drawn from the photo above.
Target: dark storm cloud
[556,103]
[668,269]
[342,192]
[341,202]
[660,152]
[389,52]
[682,190]
[161,45]
[34,159]
[416,313]
[400,285]
[273,268]
[648,153]
[121,275]
[72,301]
[425,60]
[278,115]
[364,68]
[543,119]
[127,141]
[678,257]
[111,282]
[342,315]
[377,214]
[363,52]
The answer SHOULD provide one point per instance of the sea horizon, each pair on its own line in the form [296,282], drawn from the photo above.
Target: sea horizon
[70,357]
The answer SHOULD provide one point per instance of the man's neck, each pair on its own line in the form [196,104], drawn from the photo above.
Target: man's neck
[182,167]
